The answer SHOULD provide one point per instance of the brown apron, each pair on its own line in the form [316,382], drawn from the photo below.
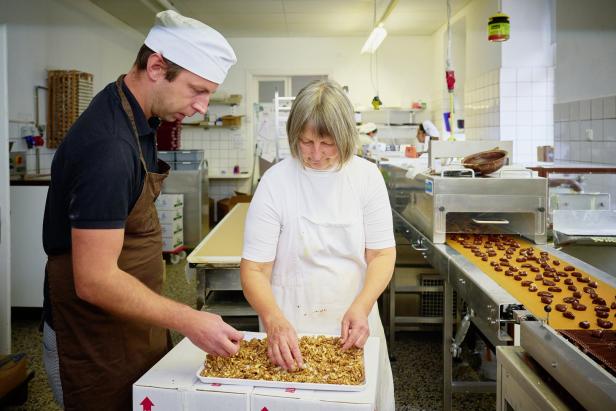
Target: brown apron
[102,355]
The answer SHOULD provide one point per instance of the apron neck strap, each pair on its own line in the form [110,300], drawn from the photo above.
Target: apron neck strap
[128,110]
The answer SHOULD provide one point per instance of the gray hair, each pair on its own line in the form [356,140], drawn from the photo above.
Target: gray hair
[325,106]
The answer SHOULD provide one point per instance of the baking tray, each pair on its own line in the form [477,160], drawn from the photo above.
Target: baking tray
[369,350]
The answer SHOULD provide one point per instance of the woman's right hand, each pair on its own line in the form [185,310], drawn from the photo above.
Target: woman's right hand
[282,346]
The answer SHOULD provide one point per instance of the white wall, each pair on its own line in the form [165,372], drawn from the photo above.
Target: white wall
[59,34]
[586,49]
[404,64]
[531,40]
[5,229]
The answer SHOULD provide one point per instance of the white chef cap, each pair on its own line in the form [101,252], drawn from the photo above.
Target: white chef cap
[430,129]
[192,45]
[367,128]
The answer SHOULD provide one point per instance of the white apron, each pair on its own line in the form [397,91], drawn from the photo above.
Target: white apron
[315,291]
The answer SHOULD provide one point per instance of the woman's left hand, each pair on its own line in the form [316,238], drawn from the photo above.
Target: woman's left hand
[355,329]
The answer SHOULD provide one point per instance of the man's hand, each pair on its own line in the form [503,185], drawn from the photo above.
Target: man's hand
[210,333]
[355,329]
[282,347]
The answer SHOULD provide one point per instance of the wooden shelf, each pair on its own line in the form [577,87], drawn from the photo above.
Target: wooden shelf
[208,126]
[229,176]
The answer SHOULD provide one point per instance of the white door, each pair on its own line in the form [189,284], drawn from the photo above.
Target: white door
[5,232]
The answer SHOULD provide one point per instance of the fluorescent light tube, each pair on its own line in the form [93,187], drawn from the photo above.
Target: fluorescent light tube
[374,40]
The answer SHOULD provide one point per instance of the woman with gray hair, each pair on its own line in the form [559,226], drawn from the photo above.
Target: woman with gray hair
[319,246]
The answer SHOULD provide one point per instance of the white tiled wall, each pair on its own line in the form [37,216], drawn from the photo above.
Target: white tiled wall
[482,107]
[585,130]
[224,149]
[512,103]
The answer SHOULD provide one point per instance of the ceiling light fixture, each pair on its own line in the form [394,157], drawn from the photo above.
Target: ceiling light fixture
[378,33]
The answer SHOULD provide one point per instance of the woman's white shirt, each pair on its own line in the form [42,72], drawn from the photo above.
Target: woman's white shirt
[270,230]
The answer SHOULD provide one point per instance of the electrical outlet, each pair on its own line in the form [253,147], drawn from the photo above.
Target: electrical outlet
[589,134]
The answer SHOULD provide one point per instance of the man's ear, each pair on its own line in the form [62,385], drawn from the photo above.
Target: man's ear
[156,68]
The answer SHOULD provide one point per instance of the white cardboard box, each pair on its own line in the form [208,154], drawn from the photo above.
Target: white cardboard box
[273,399]
[169,201]
[172,242]
[168,229]
[172,385]
[169,216]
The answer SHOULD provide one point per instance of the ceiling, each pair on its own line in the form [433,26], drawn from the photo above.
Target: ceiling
[291,18]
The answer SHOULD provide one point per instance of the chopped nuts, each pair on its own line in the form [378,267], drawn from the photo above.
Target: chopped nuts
[324,363]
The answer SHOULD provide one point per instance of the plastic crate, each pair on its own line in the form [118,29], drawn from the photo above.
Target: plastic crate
[189,155]
[167,156]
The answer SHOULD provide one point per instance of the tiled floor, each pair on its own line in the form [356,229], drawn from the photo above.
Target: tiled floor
[417,369]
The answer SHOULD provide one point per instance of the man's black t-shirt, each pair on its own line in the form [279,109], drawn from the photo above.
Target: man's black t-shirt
[96,173]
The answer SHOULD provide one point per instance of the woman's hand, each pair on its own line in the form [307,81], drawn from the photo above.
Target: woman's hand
[282,347]
[355,329]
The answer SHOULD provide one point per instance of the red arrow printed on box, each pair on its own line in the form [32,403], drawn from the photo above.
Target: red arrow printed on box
[146,404]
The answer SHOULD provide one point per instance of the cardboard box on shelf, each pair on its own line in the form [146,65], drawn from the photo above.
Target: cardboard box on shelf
[169,229]
[226,204]
[169,201]
[170,216]
[545,153]
[174,241]
[171,385]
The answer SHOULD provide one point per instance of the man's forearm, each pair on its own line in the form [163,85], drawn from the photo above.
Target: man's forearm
[123,295]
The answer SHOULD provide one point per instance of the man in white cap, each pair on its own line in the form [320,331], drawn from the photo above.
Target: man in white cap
[427,131]
[105,322]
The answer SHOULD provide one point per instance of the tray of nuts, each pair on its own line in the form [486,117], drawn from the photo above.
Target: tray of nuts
[326,366]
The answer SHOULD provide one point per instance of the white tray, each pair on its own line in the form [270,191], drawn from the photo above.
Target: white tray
[287,384]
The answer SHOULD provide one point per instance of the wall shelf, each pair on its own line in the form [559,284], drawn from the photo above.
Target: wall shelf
[209,126]
[229,176]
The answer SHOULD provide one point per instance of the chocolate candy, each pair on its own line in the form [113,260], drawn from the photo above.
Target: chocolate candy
[526,265]
[546,300]
[583,279]
[493,263]
[597,333]
[517,277]
[569,315]
[599,301]
[568,281]
[577,294]
[588,290]
[538,277]
[602,308]
[555,262]
[556,279]
[484,258]
[579,307]
[561,307]
[521,273]
[555,289]
[545,294]
[504,260]
[613,306]
[509,273]
[569,268]
[569,300]
[548,274]
[504,264]
[498,269]
[604,323]
[576,274]
[584,324]
[534,269]
[549,283]
[526,283]
[593,284]
[602,314]
[532,288]
[572,288]
[520,259]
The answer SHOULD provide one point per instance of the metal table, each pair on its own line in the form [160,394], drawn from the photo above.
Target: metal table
[217,263]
